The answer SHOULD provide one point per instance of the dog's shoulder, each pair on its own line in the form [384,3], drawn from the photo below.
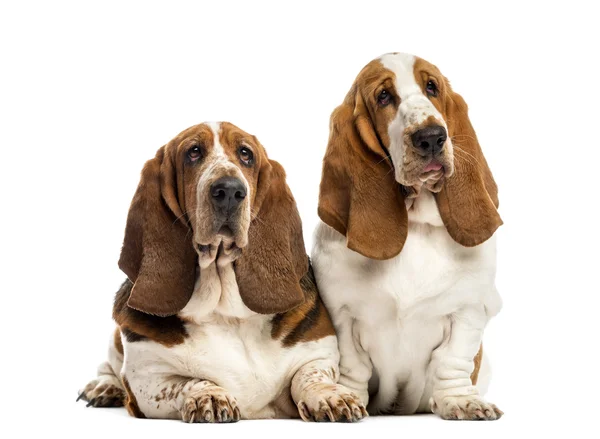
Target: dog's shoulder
[138,326]
[308,321]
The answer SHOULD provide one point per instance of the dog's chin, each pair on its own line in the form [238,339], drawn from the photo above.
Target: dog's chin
[224,246]
[429,174]
[415,179]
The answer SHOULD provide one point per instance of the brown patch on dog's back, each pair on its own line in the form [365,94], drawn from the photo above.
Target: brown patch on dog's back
[477,361]
[308,321]
[131,336]
[131,404]
[137,326]
[117,341]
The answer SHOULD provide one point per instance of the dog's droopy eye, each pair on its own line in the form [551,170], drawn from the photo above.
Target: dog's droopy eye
[431,88]
[194,153]
[384,98]
[246,156]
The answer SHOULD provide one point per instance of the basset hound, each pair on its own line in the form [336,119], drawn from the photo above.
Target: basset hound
[220,318]
[405,254]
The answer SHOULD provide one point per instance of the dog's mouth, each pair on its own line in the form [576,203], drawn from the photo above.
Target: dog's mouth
[433,165]
[425,172]
[224,246]
[222,252]
[225,231]
[432,173]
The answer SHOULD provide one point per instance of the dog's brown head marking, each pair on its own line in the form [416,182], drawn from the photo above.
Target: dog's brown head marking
[212,195]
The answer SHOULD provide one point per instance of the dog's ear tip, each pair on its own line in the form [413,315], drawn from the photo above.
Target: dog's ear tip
[391,249]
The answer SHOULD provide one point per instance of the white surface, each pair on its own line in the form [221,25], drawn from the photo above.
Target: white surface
[89,92]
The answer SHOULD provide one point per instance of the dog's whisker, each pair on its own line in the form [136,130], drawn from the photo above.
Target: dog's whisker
[466,155]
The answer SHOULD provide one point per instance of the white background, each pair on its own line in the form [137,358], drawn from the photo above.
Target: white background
[90,90]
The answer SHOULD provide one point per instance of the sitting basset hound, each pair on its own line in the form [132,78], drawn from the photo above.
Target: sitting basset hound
[404,255]
[220,318]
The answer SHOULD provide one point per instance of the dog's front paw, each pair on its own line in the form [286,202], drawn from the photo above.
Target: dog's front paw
[330,402]
[213,404]
[104,392]
[465,408]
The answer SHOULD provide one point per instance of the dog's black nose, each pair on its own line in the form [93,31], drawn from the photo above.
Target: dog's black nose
[227,193]
[430,139]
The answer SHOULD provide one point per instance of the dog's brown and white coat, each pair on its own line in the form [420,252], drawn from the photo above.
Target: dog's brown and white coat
[220,318]
[405,253]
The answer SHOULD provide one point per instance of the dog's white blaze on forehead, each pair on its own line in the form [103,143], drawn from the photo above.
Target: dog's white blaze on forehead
[217,147]
[414,107]
[219,159]
[217,156]
[402,65]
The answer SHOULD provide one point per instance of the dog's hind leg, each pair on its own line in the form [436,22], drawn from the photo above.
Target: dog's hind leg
[107,389]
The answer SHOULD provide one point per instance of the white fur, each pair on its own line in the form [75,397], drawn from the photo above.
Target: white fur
[229,355]
[219,162]
[228,345]
[409,327]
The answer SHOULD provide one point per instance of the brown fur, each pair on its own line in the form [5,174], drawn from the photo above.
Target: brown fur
[136,325]
[308,321]
[171,391]
[157,255]
[270,268]
[468,201]
[131,404]
[359,196]
[118,342]
[477,360]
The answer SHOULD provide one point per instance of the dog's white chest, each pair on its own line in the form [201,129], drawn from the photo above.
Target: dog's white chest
[401,308]
[431,276]
[240,356]
[232,346]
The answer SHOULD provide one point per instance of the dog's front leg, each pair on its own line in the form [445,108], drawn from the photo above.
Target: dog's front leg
[318,396]
[454,395]
[355,365]
[169,397]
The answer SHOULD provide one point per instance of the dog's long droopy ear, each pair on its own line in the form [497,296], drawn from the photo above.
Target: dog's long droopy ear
[270,268]
[468,201]
[157,254]
[359,196]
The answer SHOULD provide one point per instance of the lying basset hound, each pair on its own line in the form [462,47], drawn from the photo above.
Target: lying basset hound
[405,256]
[220,318]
